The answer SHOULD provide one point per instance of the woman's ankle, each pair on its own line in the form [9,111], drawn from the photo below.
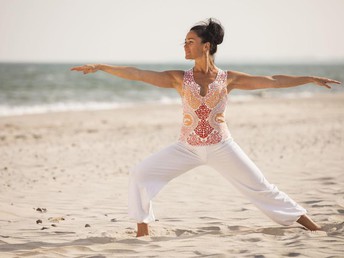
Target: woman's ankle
[308,223]
[142,229]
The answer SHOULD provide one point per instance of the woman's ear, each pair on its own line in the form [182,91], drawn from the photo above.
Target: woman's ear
[206,47]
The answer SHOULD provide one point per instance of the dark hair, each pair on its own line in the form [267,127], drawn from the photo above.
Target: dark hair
[210,31]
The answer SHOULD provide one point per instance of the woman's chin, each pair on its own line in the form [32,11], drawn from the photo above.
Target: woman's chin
[187,57]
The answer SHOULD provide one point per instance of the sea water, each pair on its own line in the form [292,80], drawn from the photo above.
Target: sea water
[27,88]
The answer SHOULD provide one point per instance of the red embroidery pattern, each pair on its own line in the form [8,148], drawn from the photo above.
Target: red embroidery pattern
[203,112]
[203,128]
[204,115]
[213,138]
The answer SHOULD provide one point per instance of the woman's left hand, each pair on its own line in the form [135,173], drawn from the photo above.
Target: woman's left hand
[324,81]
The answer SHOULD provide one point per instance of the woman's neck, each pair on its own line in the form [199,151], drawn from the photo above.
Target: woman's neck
[205,65]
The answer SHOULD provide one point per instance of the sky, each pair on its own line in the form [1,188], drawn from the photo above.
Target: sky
[153,31]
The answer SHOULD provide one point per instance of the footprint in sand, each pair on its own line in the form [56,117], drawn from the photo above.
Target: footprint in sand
[180,232]
[211,228]
[333,229]
[20,136]
[272,231]
[37,136]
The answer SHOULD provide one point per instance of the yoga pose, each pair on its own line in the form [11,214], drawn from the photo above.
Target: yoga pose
[205,138]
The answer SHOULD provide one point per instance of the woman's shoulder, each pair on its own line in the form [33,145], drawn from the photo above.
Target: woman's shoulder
[177,74]
[234,73]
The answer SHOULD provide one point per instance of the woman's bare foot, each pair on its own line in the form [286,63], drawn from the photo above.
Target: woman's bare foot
[307,222]
[142,229]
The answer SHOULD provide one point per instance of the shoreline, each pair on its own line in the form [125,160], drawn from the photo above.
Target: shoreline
[89,107]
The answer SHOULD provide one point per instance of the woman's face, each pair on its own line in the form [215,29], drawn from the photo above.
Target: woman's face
[193,46]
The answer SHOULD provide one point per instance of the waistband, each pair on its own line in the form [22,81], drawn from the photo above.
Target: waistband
[224,141]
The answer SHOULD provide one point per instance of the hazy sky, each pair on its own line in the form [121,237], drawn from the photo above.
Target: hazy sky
[154,30]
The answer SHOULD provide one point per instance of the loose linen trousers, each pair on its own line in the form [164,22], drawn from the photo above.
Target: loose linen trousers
[148,178]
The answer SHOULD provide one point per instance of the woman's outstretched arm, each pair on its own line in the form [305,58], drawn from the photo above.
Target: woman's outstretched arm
[243,81]
[165,79]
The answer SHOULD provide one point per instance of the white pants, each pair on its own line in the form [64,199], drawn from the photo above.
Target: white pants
[148,178]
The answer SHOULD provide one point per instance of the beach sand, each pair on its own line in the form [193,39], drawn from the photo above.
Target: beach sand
[64,180]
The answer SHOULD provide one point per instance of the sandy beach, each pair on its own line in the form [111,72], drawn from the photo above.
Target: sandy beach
[64,180]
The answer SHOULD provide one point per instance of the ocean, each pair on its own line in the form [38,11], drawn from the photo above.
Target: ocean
[29,88]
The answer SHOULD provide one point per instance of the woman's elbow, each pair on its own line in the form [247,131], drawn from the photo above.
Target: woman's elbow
[274,82]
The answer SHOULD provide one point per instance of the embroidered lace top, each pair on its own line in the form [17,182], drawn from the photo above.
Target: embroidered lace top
[204,117]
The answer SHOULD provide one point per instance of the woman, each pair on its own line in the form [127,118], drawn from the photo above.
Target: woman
[205,138]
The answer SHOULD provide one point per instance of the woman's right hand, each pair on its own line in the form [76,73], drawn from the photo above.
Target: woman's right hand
[88,68]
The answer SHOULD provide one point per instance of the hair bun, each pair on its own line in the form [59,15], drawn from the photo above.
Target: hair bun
[216,31]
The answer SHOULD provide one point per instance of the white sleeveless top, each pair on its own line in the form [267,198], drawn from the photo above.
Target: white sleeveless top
[204,117]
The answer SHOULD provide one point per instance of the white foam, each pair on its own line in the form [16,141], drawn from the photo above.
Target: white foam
[57,107]
[6,110]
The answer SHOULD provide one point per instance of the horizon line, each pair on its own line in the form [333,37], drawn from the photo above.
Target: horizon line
[234,62]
